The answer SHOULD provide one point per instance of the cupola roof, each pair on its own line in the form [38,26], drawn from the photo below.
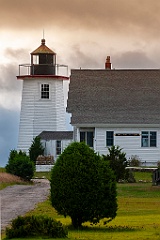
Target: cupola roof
[43,49]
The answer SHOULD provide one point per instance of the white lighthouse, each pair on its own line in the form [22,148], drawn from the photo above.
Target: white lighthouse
[42,106]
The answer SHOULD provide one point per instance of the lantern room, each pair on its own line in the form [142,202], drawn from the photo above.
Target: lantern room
[43,60]
[43,63]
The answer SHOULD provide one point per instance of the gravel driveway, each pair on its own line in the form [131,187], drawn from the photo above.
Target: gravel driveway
[19,199]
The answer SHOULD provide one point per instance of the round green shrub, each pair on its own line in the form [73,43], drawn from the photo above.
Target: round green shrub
[32,226]
[83,186]
[20,165]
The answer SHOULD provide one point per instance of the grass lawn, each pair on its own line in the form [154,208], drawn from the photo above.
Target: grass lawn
[2,169]
[42,174]
[138,216]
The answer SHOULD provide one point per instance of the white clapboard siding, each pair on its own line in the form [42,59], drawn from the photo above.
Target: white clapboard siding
[131,144]
[39,114]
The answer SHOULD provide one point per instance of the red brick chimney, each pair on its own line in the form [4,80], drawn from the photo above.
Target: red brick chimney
[108,63]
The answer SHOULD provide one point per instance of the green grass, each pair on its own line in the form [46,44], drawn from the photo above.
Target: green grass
[138,216]
[4,185]
[143,176]
[43,174]
[2,170]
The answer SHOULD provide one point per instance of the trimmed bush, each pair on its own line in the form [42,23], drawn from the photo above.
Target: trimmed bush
[83,186]
[31,226]
[20,165]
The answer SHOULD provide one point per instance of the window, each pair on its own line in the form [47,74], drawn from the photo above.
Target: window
[45,91]
[109,138]
[149,139]
[87,137]
[58,147]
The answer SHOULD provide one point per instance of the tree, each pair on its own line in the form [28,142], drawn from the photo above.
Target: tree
[36,149]
[20,165]
[118,162]
[83,186]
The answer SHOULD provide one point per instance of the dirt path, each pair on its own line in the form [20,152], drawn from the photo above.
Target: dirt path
[19,199]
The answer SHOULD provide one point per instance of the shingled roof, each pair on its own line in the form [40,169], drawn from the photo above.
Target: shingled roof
[56,135]
[114,97]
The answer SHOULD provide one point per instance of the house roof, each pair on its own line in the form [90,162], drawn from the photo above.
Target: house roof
[114,96]
[56,135]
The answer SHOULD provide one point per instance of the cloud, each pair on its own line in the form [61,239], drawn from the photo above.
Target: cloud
[16,54]
[138,18]
[133,59]
[8,77]
[10,88]
[9,123]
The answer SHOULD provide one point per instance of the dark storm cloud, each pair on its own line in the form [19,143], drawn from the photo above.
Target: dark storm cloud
[9,71]
[8,81]
[117,16]
[9,121]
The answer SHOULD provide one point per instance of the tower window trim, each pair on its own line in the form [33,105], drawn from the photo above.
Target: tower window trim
[44,91]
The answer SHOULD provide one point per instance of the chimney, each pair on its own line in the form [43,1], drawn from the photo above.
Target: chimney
[108,63]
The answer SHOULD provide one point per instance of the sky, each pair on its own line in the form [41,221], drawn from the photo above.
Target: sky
[82,33]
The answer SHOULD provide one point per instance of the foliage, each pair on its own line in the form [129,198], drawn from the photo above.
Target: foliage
[31,226]
[20,165]
[158,164]
[36,149]
[83,186]
[118,162]
[135,161]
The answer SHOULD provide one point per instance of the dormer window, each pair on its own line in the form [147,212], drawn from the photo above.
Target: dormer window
[45,91]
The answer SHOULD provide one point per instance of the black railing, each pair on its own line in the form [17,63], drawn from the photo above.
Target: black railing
[43,69]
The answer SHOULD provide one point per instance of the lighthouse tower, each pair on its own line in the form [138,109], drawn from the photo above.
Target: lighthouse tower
[42,106]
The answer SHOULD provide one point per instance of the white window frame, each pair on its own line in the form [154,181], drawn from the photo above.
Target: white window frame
[148,139]
[109,145]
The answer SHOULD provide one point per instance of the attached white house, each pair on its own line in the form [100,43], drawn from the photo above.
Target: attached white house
[117,107]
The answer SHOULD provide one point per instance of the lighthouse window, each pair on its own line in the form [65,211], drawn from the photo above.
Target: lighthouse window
[45,91]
